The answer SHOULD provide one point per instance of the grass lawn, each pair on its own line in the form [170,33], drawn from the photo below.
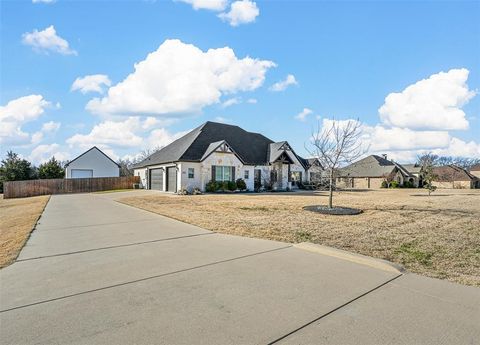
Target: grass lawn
[18,217]
[437,236]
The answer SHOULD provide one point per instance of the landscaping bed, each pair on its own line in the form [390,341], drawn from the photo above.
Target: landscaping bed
[437,236]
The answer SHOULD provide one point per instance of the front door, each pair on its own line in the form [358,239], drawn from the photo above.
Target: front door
[172,179]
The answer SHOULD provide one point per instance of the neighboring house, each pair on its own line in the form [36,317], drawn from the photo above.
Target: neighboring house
[221,152]
[451,176]
[370,172]
[416,171]
[475,170]
[92,163]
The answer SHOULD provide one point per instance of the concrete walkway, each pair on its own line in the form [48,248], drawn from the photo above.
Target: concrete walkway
[98,272]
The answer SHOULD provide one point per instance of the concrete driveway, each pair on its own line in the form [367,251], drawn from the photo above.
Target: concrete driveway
[98,272]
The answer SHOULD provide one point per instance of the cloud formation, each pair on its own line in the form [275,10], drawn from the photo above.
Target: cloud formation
[432,103]
[16,113]
[241,12]
[91,83]
[212,5]
[283,84]
[180,78]
[302,116]
[46,41]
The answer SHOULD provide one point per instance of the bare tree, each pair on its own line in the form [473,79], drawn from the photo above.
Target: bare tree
[428,162]
[336,145]
[144,154]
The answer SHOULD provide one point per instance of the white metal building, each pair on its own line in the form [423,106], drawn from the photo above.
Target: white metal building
[92,163]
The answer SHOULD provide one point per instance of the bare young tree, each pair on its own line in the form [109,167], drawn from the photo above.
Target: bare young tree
[428,162]
[336,145]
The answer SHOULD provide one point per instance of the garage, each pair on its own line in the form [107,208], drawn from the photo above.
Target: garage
[82,173]
[172,179]
[156,179]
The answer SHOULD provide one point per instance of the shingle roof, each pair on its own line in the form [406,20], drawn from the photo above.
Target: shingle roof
[449,173]
[475,167]
[371,166]
[413,168]
[252,148]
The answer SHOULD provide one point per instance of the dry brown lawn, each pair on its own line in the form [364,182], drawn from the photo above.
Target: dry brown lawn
[438,236]
[17,219]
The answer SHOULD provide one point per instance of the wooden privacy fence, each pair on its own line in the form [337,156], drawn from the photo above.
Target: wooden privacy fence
[21,189]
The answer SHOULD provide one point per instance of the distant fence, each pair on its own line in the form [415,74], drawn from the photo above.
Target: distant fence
[21,189]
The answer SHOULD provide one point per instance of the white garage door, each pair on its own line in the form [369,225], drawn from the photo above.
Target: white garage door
[82,173]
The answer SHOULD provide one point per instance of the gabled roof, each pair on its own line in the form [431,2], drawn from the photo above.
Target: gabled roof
[371,166]
[413,168]
[93,148]
[250,147]
[475,167]
[214,146]
[450,173]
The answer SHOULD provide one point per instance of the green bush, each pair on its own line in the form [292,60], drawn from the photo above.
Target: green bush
[384,184]
[231,186]
[394,184]
[241,185]
[211,186]
[408,184]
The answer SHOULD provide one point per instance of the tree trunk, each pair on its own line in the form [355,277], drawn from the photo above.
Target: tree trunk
[330,197]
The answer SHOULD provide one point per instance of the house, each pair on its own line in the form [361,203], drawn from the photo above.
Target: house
[222,152]
[475,170]
[416,171]
[92,163]
[371,172]
[451,176]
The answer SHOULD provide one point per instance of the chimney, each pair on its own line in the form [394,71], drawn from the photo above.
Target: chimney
[384,156]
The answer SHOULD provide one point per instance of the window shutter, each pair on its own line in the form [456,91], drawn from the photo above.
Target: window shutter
[213,172]
[233,174]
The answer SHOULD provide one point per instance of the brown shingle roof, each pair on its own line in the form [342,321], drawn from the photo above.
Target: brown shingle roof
[449,173]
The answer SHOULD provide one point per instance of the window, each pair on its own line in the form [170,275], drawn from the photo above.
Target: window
[246,174]
[223,173]
[296,176]
[191,173]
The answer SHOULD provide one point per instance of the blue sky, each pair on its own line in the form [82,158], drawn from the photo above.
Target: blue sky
[343,59]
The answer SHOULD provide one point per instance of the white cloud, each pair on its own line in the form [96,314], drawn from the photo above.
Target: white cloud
[51,126]
[212,5]
[16,113]
[110,133]
[161,137]
[46,41]
[43,153]
[241,12]
[302,116]
[131,133]
[433,103]
[43,1]
[91,83]
[181,78]
[231,101]
[252,101]
[283,84]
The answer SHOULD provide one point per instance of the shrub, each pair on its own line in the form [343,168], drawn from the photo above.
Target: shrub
[211,187]
[408,184]
[384,184]
[394,184]
[241,185]
[231,186]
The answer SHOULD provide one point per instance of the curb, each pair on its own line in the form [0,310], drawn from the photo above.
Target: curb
[352,257]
